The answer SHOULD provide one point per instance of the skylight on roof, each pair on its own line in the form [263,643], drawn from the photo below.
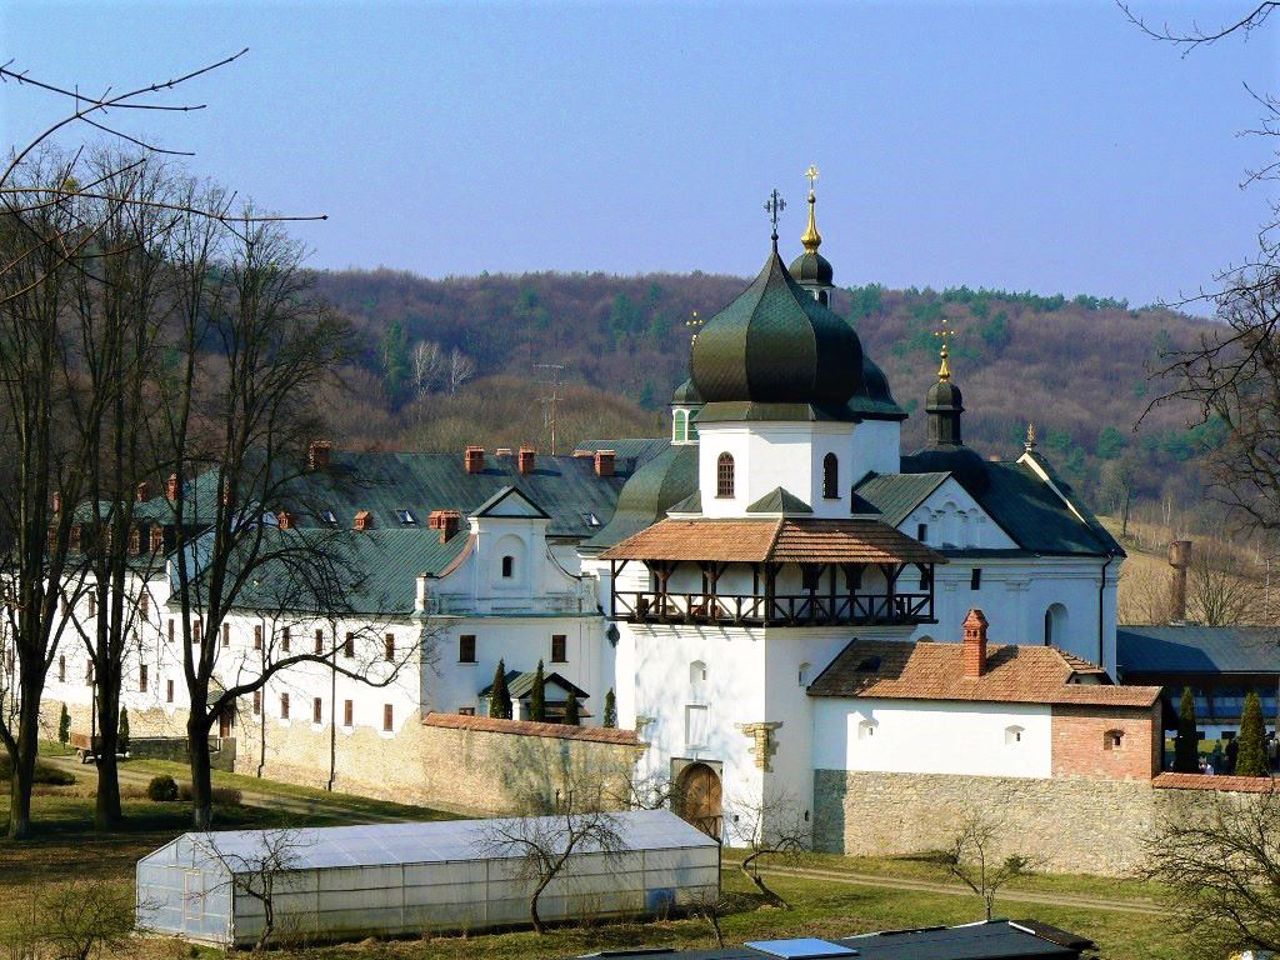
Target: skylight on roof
[406,517]
[329,517]
[803,948]
[591,520]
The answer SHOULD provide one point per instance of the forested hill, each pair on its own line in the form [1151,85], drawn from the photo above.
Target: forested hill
[1078,367]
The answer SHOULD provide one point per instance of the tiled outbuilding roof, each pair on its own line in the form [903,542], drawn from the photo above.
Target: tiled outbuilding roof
[784,540]
[935,671]
[530,728]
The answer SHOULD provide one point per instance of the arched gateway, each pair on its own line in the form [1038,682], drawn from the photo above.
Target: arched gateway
[699,793]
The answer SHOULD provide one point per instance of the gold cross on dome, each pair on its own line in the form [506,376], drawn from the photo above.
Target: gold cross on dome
[945,334]
[695,324]
[812,174]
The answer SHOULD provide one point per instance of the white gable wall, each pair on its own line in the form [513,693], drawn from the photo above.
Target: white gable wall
[925,736]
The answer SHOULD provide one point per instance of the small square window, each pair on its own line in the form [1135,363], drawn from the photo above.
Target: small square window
[467,648]
[257,636]
[257,701]
[168,692]
[388,718]
[466,711]
[317,710]
[508,566]
[349,647]
[348,712]
[226,634]
[284,640]
[319,643]
[975,578]
[284,706]
[559,653]
[142,678]
[922,532]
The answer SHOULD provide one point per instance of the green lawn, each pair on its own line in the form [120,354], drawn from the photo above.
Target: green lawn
[65,845]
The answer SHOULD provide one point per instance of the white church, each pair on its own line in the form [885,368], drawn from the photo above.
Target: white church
[775,589]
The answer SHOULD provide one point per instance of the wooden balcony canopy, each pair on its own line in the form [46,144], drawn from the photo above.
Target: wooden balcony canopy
[774,540]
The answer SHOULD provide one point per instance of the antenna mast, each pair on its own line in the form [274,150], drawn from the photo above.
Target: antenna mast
[550,403]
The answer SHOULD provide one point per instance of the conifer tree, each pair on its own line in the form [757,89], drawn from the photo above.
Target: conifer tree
[122,739]
[1186,757]
[499,695]
[572,712]
[1251,761]
[64,726]
[610,709]
[538,696]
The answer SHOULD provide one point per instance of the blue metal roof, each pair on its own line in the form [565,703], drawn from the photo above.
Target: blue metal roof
[1193,648]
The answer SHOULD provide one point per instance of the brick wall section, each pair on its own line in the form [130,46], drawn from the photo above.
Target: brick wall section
[1082,748]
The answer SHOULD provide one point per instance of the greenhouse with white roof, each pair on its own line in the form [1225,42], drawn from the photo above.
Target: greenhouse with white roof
[338,883]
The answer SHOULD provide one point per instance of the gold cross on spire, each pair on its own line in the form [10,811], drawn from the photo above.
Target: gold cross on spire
[812,239]
[812,175]
[944,334]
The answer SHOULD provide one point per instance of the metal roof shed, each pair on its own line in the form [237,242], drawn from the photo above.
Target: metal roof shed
[407,878]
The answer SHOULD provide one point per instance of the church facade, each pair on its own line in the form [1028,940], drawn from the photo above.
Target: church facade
[715,583]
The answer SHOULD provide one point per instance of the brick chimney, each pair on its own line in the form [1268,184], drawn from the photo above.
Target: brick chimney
[447,522]
[57,501]
[474,459]
[172,488]
[975,644]
[318,455]
[605,462]
[286,520]
[142,492]
[363,521]
[1179,559]
[527,458]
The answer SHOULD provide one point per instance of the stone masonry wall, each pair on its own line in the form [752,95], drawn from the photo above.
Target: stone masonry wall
[471,771]
[1073,825]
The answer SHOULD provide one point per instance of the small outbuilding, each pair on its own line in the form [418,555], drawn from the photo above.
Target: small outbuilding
[338,883]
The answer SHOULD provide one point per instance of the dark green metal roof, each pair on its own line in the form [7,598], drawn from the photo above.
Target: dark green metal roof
[686,394]
[873,400]
[654,489]
[812,267]
[776,344]
[690,504]
[1197,649]
[1021,503]
[780,500]
[520,685]
[895,495]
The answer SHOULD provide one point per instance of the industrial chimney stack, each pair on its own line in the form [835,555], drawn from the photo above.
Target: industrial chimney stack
[1179,559]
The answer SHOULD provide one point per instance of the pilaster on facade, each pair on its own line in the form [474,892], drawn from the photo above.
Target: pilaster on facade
[763,746]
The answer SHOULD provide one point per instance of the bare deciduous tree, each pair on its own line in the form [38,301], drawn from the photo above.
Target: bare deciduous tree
[972,858]
[1220,592]
[772,828]
[461,369]
[81,919]
[259,873]
[1219,870]
[546,845]
[430,367]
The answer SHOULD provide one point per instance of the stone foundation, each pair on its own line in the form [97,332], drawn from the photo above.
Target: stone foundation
[1072,825]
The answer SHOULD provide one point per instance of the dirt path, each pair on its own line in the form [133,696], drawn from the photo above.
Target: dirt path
[1148,907]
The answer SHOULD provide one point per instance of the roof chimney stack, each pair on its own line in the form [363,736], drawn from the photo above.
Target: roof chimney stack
[143,492]
[318,455]
[364,520]
[474,459]
[1179,559]
[172,488]
[286,520]
[605,463]
[446,521]
[526,461]
[975,644]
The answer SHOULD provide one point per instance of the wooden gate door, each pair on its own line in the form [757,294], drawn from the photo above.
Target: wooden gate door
[700,798]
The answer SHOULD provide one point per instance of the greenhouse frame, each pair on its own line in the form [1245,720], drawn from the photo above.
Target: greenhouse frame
[398,879]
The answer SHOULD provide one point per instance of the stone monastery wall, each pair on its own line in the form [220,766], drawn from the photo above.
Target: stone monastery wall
[1073,825]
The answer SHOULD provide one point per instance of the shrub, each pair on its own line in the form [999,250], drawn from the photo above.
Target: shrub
[227,796]
[122,744]
[64,726]
[610,709]
[162,789]
[1251,761]
[499,696]
[1186,758]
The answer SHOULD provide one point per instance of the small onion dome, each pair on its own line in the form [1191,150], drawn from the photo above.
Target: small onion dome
[943,397]
[875,385]
[812,268]
[686,395]
[776,344]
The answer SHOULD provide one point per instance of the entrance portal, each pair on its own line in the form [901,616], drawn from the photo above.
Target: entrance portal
[699,792]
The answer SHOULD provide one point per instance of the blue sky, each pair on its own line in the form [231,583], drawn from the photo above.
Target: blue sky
[1025,145]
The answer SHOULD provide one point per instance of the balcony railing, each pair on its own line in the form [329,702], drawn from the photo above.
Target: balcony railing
[780,610]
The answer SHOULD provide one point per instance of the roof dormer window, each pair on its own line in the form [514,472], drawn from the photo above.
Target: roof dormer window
[406,517]
[329,517]
[591,520]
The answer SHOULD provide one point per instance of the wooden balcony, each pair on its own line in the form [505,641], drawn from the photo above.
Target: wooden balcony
[787,610]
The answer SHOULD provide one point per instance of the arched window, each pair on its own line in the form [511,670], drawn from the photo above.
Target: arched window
[680,426]
[1113,740]
[724,476]
[1012,735]
[802,675]
[831,477]
[697,673]
[1055,624]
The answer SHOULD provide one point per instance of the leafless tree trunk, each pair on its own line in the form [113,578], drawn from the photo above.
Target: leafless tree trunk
[773,829]
[972,858]
[461,369]
[259,873]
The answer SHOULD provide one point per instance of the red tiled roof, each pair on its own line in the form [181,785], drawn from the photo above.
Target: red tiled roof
[935,671]
[786,540]
[1199,781]
[530,728]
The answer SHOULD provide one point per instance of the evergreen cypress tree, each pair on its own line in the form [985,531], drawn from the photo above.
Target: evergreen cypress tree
[64,726]
[1251,761]
[499,695]
[122,743]
[1186,756]
[610,709]
[572,712]
[538,696]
